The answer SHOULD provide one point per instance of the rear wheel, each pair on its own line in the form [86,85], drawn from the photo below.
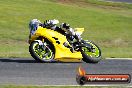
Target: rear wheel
[41,53]
[92,55]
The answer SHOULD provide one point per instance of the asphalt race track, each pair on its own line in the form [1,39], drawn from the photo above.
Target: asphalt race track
[28,72]
[127,1]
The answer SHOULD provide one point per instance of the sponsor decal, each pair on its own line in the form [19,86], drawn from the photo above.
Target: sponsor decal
[83,78]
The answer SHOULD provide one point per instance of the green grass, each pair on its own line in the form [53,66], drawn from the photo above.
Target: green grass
[107,24]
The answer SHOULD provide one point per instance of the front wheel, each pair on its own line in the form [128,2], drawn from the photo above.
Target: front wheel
[91,55]
[41,53]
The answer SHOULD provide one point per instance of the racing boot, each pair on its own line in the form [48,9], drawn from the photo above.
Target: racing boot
[71,47]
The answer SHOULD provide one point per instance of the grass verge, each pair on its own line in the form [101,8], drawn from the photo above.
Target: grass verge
[107,24]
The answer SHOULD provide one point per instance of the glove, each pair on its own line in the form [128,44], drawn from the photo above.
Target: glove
[52,22]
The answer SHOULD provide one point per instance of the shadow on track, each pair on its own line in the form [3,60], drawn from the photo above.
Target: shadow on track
[28,61]
[18,60]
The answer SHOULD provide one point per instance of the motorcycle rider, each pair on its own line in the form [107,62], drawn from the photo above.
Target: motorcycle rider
[64,28]
[49,24]
[71,35]
[67,30]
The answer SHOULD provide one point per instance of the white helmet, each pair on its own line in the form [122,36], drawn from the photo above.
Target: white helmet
[33,25]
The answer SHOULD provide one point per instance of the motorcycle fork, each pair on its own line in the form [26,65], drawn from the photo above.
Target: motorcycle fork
[42,46]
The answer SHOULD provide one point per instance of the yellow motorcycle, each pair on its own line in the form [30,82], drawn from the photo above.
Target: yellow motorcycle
[47,45]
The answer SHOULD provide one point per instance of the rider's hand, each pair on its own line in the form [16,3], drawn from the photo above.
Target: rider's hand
[52,22]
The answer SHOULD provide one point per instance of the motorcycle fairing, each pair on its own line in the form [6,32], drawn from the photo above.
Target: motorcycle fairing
[62,53]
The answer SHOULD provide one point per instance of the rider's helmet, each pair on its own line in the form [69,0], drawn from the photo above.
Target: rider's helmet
[33,25]
[65,27]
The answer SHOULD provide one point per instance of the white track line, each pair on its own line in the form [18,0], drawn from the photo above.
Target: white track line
[118,85]
[119,58]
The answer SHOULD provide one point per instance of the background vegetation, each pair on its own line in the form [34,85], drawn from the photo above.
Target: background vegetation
[107,24]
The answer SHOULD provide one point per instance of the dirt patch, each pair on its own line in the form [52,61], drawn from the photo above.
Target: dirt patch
[84,3]
[80,3]
[115,43]
[66,1]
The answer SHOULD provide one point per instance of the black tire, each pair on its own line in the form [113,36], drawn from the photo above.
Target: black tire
[36,56]
[89,59]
